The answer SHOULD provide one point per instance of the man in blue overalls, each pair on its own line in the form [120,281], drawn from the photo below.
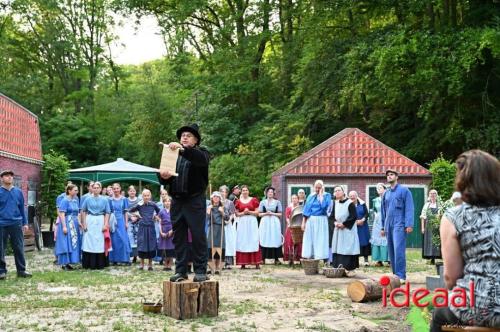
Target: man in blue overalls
[397,221]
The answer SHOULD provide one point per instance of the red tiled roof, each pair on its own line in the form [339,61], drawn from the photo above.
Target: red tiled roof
[352,152]
[19,131]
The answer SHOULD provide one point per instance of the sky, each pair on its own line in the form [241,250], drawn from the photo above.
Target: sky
[137,43]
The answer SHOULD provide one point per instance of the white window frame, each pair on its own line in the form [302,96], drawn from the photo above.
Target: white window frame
[289,191]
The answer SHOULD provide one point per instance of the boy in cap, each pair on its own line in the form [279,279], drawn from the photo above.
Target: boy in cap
[12,223]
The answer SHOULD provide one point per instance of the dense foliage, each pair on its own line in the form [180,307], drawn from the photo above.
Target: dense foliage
[54,175]
[266,79]
[443,177]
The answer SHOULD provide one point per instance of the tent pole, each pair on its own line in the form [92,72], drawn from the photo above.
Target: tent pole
[140,186]
[81,188]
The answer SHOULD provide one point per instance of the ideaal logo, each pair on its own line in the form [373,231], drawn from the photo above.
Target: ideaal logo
[440,298]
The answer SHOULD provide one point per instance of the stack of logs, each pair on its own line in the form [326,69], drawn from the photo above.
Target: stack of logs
[187,299]
[369,289]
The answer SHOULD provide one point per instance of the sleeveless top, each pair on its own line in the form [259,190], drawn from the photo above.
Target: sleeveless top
[478,230]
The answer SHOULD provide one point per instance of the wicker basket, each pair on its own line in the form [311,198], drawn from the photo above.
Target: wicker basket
[297,234]
[152,307]
[311,266]
[334,272]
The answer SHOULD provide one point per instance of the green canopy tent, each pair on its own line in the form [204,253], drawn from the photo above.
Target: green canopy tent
[117,171]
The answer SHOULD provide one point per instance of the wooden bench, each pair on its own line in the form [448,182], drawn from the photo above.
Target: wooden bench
[455,328]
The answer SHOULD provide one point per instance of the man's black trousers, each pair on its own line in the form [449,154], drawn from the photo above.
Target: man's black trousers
[190,213]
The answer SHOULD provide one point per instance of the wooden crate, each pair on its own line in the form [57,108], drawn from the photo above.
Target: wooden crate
[187,299]
[29,240]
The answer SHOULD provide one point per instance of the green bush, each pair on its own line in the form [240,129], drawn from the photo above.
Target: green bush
[443,177]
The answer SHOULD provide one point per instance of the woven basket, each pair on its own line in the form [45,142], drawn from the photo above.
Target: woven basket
[297,234]
[311,266]
[334,272]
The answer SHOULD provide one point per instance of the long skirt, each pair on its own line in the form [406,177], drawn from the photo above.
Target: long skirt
[216,234]
[270,237]
[230,239]
[133,229]
[290,249]
[120,242]
[315,240]
[93,244]
[146,240]
[345,247]
[67,247]
[94,261]
[364,239]
[348,262]
[379,253]
[429,250]
[247,241]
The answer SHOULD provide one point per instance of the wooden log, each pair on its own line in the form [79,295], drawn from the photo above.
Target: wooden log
[187,299]
[370,290]
[209,298]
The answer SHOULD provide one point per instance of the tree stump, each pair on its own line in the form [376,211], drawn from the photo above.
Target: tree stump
[370,290]
[187,299]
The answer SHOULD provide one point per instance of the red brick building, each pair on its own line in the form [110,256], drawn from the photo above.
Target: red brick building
[20,146]
[357,161]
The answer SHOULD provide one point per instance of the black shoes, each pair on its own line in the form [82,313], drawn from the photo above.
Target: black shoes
[24,274]
[200,278]
[3,276]
[178,277]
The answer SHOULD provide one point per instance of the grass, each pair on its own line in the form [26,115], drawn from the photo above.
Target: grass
[245,307]
[111,299]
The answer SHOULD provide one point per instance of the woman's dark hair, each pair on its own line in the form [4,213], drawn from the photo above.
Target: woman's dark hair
[478,178]
[270,188]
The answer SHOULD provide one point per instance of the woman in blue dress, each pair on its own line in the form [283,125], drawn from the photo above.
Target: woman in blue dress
[362,223]
[146,235]
[95,223]
[315,223]
[68,245]
[133,225]
[119,238]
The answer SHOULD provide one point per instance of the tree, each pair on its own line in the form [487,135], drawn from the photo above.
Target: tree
[54,176]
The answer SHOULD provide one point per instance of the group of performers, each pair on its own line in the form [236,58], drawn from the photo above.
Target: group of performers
[229,228]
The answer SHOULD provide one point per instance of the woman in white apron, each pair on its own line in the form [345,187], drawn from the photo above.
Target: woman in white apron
[271,239]
[315,223]
[95,218]
[247,232]
[345,241]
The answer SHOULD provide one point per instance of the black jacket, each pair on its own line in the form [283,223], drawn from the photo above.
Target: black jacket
[195,160]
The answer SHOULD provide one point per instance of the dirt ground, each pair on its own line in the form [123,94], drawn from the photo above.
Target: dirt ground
[274,298]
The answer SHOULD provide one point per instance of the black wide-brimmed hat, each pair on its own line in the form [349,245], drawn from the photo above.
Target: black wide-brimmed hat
[192,128]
